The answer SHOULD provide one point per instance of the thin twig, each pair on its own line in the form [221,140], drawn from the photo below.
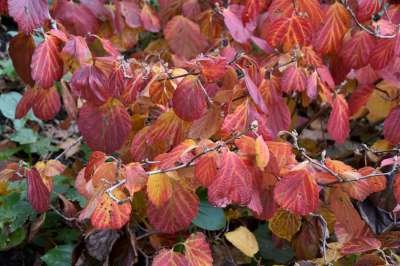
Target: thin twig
[78,140]
[69,219]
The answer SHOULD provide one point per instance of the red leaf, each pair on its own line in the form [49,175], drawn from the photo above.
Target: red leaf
[180,28]
[29,14]
[366,8]
[297,192]
[108,214]
[360,245]
[77,47]
[76,17]
[149,18]
[21,50]
[391,126]
[69,101]
[359,98]
[236,27]
[255,93]
[287,32]
[294,79]
[357,49]
[169,258]
[131,11]
[106,127]
[335,26]
[47,65]
[189,100]
[396,187]
[233,183]
[345,214]
[338,123]
[197,250]
[26,103]
[382,53]
[38,192]
[89,82]
[47,103]
[177,213]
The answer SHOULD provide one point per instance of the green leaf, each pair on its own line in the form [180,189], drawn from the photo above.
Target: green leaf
[7,69]
[7,153]
[209,217]
[24,136]
[42,147]
[8,103]
[13,239]
[267,247]
[59,256]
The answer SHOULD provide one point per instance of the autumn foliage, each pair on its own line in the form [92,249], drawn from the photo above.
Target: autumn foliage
[186,102]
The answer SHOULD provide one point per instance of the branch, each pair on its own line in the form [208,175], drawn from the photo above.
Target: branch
[190,163]
[365,28]
[321,164]
[77,141]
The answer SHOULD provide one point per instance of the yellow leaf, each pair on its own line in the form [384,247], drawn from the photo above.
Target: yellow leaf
[379,103]
[285,224]
[159,189]
[244,240]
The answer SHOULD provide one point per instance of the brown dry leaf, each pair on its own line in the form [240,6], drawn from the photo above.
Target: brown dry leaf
[285,224]
[74,148]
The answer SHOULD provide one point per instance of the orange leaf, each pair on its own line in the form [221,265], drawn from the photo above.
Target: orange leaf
[179,155]
[297,192]
[396,187]
[338,123]
[287,32]
[21,50]
[205,169]
[104,127]
[159,189]
[262,153]
[294,79]
[96,159]
[177,213]
[336,24]
[108,214]
[180,28]
[168,127]
[169,258]
[361,189]
[233,183]
[189,100]
[285,224]
[343,170]
[136,177]
[197,250]
[47,65]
